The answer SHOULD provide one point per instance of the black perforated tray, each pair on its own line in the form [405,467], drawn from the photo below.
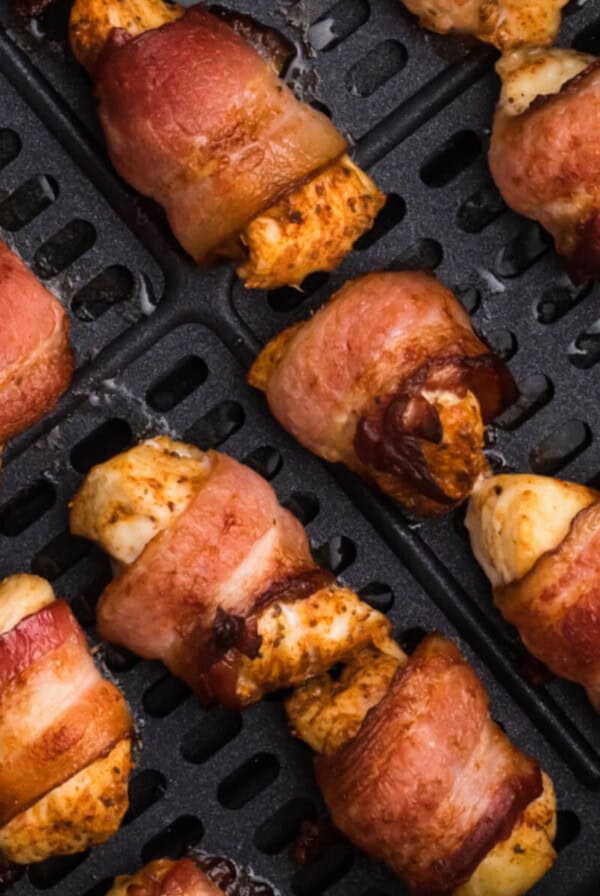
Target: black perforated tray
[162,347]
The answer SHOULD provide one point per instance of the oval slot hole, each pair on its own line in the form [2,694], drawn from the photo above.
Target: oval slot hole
[10,146]
[451,159]
[218,425]
[214,732]
[376,68]
[248,781]
[534,393]
[338,23]
[164,696]
[180,382]
[59,555]
[266,461]
[337,554]
[102,443]
[64,248]
[52,871]
[113,286]
[312,880]
[480,209]
[27,202]
[388,217]
[282,828]
[26,507]
[522,251]
[145,789]
[304,506]
[378,596]
[424,255]
[175,840]
[560,447]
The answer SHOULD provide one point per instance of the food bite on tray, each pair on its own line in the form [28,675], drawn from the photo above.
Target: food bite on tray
[36,362]
[166,877]
[389,378]
[538,542]
[544,148]
[416,773]
[216,577]
[65,731]
[196,117]
[504,23]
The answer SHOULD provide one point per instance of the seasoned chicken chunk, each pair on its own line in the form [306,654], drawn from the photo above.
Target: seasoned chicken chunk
[504,23]
[93,20]
[126,501]
[515,518]
[325,713]
[311,229]
[300,638]
[84,811]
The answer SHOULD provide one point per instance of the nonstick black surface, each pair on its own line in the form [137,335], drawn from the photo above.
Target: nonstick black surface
[163,347]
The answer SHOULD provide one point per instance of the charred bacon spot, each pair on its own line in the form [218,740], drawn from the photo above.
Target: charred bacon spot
[384,443]
[584,262]
[389,436]
[295,587]
[231,632]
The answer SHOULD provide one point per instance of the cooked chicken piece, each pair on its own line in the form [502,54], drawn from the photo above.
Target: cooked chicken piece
[504,23]
[126,501]
[326,713]
[20,596]
[532,71]
[516,864]
[457,461]
[302,637]
[514,519]
[311,229]
[92,21]
[84,811]
[88,807]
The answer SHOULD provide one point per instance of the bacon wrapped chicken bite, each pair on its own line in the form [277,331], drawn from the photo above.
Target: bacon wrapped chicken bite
[216,579]
[196,117]
[544,149]
[390,379]
[504,23]
[65,731]
[415,773]
[166,877]
[36,362]
[538,541]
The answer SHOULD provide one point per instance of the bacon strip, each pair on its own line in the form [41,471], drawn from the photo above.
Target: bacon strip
[357,383]
[233,550]
[556,605]
[546,165]
[57,714]
[35,360]
[429,784]
[197,120]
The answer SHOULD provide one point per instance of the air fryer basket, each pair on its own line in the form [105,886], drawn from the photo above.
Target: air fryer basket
[163,347]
